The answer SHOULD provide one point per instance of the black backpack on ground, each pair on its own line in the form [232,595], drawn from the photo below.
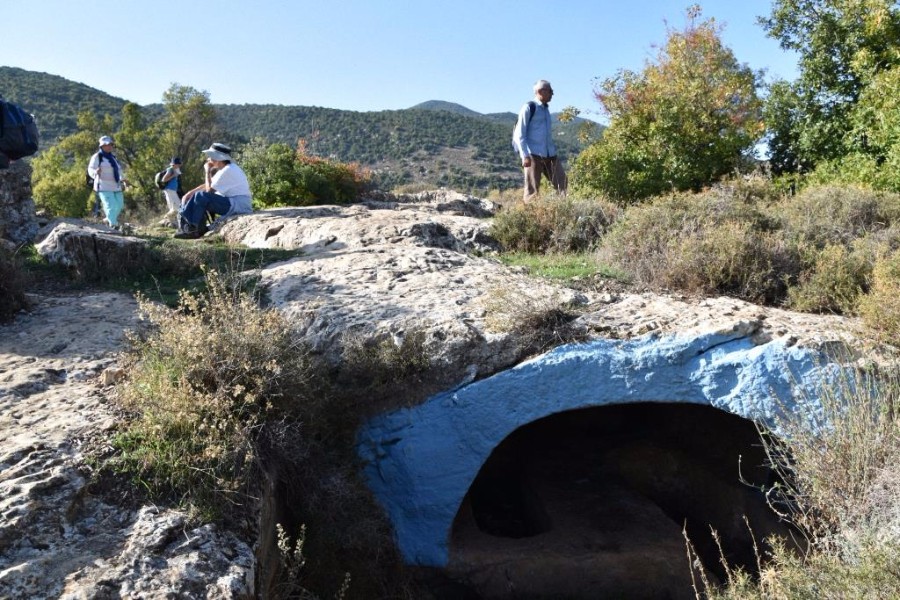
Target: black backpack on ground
[18,132]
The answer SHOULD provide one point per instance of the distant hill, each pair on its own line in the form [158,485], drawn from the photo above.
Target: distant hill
[567,133]
[439,147]
[54,100]
[435,143]
[448,107]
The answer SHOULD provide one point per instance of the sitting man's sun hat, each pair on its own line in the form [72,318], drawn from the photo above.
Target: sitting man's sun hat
[218,152]
[105,140]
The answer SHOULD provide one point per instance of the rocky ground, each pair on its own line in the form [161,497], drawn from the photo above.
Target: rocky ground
[60,536]
[376,269]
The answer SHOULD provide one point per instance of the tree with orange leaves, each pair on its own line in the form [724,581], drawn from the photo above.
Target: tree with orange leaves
[688,118]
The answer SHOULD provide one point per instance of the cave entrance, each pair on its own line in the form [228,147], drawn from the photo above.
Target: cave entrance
[593,503]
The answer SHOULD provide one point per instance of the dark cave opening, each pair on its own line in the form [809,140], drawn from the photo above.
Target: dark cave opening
[597,502]
[505,505]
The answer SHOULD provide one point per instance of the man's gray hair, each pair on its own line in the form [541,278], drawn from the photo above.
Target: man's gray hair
[541,84]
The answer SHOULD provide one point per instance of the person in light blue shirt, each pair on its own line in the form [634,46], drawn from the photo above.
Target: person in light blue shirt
[170,192]
[533,140]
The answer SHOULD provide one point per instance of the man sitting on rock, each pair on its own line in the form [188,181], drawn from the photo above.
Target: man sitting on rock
[225,191]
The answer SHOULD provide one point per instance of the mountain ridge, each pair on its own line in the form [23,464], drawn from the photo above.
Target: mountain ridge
[437,143]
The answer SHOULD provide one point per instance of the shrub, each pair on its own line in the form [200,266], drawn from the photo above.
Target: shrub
[837,233]
[730,259]
[868,571]
[718,241]
[834,447]
[58,184]
[819,216]
[855,170]
[207,379]
[834,283]
[220,389]
[280,176]
[837,457]
[880,308]
[554,224]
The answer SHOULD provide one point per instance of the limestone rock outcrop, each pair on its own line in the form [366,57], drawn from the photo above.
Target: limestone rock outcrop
[18,223]
[57,540]
[386,268]
[390,266]
[89,249]
[379,270]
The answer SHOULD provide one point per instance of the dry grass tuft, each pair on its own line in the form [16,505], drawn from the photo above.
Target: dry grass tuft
[837,456]
[554,224]
[206,382]
[539,321]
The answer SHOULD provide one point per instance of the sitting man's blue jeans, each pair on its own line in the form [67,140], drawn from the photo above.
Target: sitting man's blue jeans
[194,210]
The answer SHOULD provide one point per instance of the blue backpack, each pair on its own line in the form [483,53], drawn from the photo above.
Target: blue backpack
[18,132]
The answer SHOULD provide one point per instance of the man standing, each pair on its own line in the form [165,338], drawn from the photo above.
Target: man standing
[533,139]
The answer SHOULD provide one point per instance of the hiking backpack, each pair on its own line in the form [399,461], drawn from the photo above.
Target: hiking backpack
[88,180]
[18,131]
[158,179]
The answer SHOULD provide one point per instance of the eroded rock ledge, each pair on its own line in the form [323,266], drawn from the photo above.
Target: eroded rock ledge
[378,270]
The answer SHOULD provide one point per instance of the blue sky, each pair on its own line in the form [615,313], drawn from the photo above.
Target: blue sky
[365,54]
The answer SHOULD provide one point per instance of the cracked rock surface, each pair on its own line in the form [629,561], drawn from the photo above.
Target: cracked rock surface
[57,540]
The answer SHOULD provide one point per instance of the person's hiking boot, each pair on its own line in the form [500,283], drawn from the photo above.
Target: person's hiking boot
[191,233]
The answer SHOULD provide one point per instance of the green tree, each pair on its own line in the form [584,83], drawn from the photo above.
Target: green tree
[143,145]
[782,116]
[875,118]
[191,124]
[843,46]
[688,118]
[137,144]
